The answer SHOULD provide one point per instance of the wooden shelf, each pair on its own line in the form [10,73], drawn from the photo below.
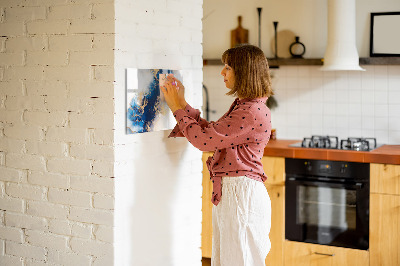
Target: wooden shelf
[295,62]
[274,63]
[380,61]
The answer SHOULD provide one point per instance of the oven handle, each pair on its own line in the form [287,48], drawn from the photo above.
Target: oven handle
[357,185]
[324,254]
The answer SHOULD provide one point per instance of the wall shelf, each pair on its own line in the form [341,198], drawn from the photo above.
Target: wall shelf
[274,63]
[380,61]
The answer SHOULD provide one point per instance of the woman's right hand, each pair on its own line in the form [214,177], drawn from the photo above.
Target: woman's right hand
[181,91]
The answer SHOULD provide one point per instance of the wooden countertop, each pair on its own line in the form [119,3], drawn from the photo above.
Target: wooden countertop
[389,154]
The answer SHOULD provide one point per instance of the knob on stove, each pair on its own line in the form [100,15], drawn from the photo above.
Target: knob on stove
[343,168]
[308,166]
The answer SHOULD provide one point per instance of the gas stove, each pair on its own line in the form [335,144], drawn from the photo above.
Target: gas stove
[332,142]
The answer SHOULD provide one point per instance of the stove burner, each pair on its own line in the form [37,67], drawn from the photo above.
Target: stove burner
[328,142]
[358,144]
[332,142]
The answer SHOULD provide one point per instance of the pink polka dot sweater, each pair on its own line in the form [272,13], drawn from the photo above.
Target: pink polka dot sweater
[238,139]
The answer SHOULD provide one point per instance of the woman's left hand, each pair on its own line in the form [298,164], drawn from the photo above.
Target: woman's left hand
[171,95]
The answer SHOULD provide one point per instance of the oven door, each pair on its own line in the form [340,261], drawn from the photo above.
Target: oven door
[327,213]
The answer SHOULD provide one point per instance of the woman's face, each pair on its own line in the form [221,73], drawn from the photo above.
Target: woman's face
[229,76]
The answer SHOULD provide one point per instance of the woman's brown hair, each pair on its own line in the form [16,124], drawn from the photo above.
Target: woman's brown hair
[250,66]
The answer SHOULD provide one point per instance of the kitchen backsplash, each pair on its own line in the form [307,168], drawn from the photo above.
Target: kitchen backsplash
[314,102]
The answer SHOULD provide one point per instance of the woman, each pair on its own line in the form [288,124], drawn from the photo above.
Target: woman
[242,211]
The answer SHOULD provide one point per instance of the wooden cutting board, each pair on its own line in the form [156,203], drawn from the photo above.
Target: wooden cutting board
[239,35]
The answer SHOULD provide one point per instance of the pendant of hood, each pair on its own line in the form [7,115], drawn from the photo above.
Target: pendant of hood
[341,51]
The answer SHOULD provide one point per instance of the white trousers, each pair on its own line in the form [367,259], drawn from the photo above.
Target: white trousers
[241,223]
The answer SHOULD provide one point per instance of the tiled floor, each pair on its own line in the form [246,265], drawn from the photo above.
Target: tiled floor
[206,261]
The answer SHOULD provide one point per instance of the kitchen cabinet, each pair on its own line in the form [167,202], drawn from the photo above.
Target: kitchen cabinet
[206,226]
[385,214]
[384,244]
[384,221]
[274,168]
[305,254]
[385,229]
[277,233]
[385,178]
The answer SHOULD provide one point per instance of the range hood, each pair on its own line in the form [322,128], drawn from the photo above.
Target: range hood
[341,51]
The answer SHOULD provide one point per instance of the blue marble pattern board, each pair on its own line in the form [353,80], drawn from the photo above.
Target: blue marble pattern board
[147,110]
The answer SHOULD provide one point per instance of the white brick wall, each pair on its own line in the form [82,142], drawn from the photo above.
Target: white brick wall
[47,210]
[46,240]
[157,178]
[68,258]
[11,233]
[104,233]
[56,132]
[25,251]
[25,221]
[62,67]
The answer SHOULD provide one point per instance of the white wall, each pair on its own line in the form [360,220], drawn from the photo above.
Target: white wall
[56,132]
[344,103]
[313,102]
[305,18]
[158,180]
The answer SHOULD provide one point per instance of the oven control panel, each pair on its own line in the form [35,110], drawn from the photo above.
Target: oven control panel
[338,169]
[325,167]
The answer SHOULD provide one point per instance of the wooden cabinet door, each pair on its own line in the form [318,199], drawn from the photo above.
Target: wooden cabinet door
[206,226]
[304,254]
[274,168]
[384,236]
[385,178]
[277,233]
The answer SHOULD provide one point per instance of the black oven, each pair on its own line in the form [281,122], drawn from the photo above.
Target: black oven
[327,202]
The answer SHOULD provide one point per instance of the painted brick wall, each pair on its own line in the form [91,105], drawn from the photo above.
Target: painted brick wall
[158,180]
[56,132]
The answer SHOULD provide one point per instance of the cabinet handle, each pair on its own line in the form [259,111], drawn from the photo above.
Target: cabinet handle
[324,254]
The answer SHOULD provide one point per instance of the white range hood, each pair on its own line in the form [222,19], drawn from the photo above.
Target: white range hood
[341,51]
